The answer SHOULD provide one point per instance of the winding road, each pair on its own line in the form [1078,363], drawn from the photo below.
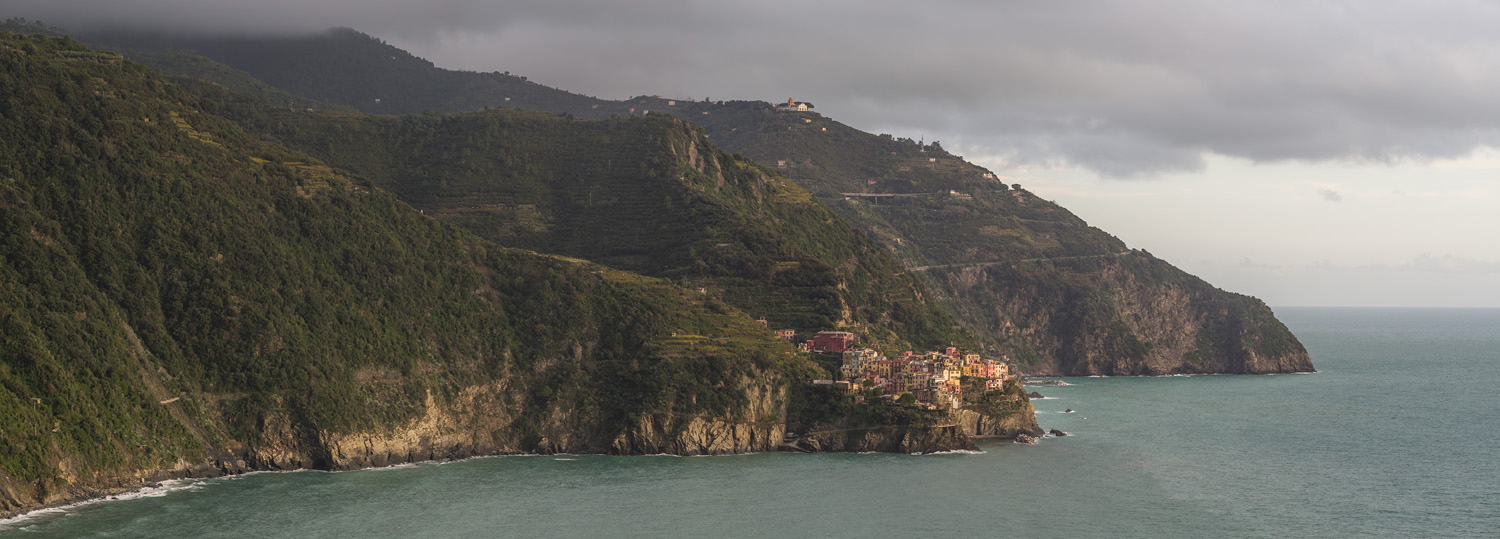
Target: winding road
[1018,261]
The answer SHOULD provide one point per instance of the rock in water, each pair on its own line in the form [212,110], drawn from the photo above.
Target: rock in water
[1025,439]
[1035,395]
[1056,432]
[811,445]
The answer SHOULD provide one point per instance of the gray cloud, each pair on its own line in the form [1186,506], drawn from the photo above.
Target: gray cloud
[1330,195]
[1123,88]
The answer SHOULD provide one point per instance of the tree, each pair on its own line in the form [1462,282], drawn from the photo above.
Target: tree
[907,399]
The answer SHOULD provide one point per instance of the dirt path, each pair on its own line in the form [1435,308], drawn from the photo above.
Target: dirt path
[159,391]
[1000,262]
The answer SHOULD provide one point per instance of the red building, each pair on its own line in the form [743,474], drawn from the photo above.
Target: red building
[831,341]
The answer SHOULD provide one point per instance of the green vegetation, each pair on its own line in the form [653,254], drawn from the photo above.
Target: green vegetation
[20,25]
[647,195]
[1024,276]
[1009,399]
[342,67]
[824,407]
[182,64]
[169,283]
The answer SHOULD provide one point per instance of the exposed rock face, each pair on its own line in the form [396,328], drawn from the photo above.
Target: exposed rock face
[477,423]
[701,437]
[464,428]
[1123,315]
[1014,419]
[998,414]
[761,429]
[894,439]
[1009,425]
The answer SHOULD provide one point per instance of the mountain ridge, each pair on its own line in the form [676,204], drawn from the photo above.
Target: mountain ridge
[1025,276]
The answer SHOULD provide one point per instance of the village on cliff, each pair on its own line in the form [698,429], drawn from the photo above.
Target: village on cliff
[934,378]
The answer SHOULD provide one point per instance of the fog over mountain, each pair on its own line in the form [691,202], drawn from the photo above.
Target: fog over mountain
[1359,134]
[1120,88]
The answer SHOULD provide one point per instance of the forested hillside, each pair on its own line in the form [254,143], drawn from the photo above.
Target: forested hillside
[1023,275]
[343,67]
[179,297]
[648,195]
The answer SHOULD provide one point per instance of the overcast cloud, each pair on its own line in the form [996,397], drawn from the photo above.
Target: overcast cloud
[1124,89]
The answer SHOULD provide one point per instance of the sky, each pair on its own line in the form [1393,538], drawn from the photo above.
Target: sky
[1305,152]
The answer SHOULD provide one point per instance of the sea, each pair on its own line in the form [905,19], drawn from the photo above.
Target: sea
[1396,435]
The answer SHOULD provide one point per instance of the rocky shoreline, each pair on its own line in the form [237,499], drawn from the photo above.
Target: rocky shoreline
[475,425]
[447,432]
[914,440]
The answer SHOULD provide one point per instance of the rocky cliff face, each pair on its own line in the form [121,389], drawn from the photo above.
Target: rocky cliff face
[1002,413]
[476,423]
[1125,314]
[1025,276]
[1006,413]
[474,426]
[889,439]
[757,427]
[983,425]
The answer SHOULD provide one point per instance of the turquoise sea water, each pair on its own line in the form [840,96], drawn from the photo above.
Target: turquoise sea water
[1398,435]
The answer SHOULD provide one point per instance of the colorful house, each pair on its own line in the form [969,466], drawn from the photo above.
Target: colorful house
[831,341]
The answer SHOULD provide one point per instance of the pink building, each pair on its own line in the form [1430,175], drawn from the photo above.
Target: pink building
[831,341]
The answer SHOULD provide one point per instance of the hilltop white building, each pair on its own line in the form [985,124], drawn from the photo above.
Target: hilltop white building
[792,105]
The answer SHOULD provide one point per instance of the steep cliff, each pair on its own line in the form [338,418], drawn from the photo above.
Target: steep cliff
[1118,315]
[479,423]
[1027,277]
[1003,413]
[911,439]
[827,419]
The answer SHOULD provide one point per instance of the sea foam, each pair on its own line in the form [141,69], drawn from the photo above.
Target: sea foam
[955,452]
[152,491]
